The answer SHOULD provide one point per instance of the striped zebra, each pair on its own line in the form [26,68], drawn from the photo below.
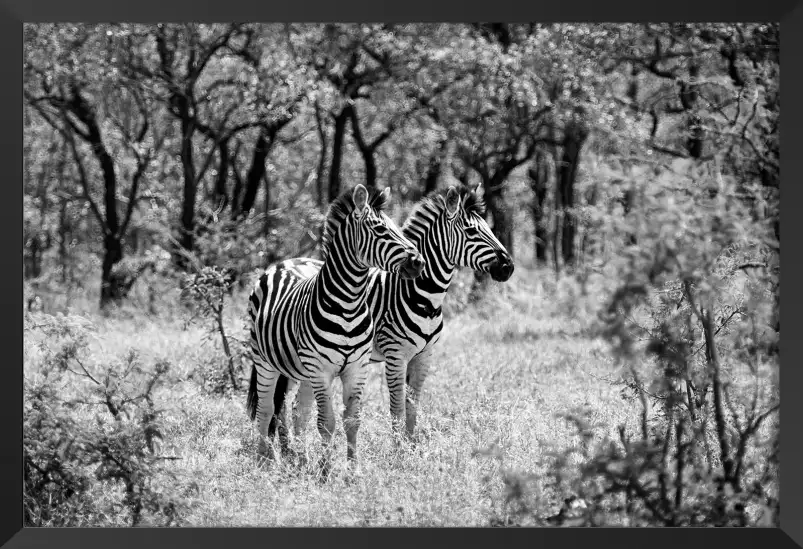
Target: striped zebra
[449,229]
[312,323]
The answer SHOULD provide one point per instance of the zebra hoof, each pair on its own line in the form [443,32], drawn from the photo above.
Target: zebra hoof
[263,461]
[288,452]
[302,460]
[398,437]
[352,476]
[412,435]
[265,453]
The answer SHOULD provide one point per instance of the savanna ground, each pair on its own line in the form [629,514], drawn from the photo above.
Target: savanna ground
[503,374]
[516,378]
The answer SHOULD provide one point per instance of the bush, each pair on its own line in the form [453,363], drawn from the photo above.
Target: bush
[91,435]
[249,244]
[693,322]
[205,291]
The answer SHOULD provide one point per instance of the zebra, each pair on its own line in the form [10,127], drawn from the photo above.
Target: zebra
[313,324]
[449,229]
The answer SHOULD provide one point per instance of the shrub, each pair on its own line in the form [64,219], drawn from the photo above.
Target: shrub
[206,292]
[91,435]
[693,322]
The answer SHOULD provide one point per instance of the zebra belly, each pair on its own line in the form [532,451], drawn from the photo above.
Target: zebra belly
[339,359]
[402,345]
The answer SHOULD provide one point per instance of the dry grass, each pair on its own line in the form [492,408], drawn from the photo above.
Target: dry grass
[502,374]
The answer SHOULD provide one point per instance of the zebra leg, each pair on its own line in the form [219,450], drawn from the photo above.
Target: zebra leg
[283,416]
[417,371]
[395,370]
[326,419]
[302,408]
[353,384]
[266,387]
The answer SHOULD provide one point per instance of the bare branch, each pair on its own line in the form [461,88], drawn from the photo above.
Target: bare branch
[85,181]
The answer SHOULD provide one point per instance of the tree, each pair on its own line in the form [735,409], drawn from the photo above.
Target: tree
[364,71]
[540,175]
[74,84]
[211,79]
[494,112]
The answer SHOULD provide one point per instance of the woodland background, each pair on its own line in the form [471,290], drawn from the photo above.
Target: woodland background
[631,169]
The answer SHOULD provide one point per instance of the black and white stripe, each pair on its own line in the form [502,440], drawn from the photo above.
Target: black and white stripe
[449,229]
[311,321]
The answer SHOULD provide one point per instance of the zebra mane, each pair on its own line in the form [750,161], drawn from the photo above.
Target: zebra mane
[340,208]
[432,204]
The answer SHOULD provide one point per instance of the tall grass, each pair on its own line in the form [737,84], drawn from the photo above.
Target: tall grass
[502,372]
[524,396]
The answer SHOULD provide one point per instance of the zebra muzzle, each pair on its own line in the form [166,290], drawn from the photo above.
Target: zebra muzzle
[413,266]
[502,268]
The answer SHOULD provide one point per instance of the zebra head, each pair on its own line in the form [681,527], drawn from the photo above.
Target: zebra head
[379,241]
[474,245]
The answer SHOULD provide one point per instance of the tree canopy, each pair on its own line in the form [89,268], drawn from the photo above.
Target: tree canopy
[166,135]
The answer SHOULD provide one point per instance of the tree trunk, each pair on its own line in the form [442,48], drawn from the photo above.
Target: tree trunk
[337,152]
[502,223]
[434,169]
[63,236]
[321,124]
[431,178]
[589,238]
[32,256]
[40,240]
[112,241]
[556,230]
[110,285]
[688,97]
[539,182]
[220,195]
[187,238]
[501,215]
[628,204]
[256,171]
[370,169]
[109,220]
[575,135]
[267,221]
[367,150]
[238,184]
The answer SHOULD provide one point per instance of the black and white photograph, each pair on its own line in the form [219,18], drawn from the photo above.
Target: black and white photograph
[401,274]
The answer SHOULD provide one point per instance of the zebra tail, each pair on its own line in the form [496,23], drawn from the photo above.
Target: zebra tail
[251,403]
[253,397]
[278,403]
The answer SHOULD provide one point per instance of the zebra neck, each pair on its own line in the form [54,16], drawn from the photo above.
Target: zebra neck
[341,287]
[437,276]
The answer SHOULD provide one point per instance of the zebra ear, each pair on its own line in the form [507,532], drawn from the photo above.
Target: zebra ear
[385,195]
[360,196]
[452,201]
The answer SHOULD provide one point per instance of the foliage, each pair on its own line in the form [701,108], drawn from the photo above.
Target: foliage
[91,455]
[692,323]
[206,291]
[275,115]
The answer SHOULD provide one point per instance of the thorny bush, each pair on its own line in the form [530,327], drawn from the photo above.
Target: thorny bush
[693,322]
[206,291]
[91,434]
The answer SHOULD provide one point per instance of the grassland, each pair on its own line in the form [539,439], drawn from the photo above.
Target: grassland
[503,374]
